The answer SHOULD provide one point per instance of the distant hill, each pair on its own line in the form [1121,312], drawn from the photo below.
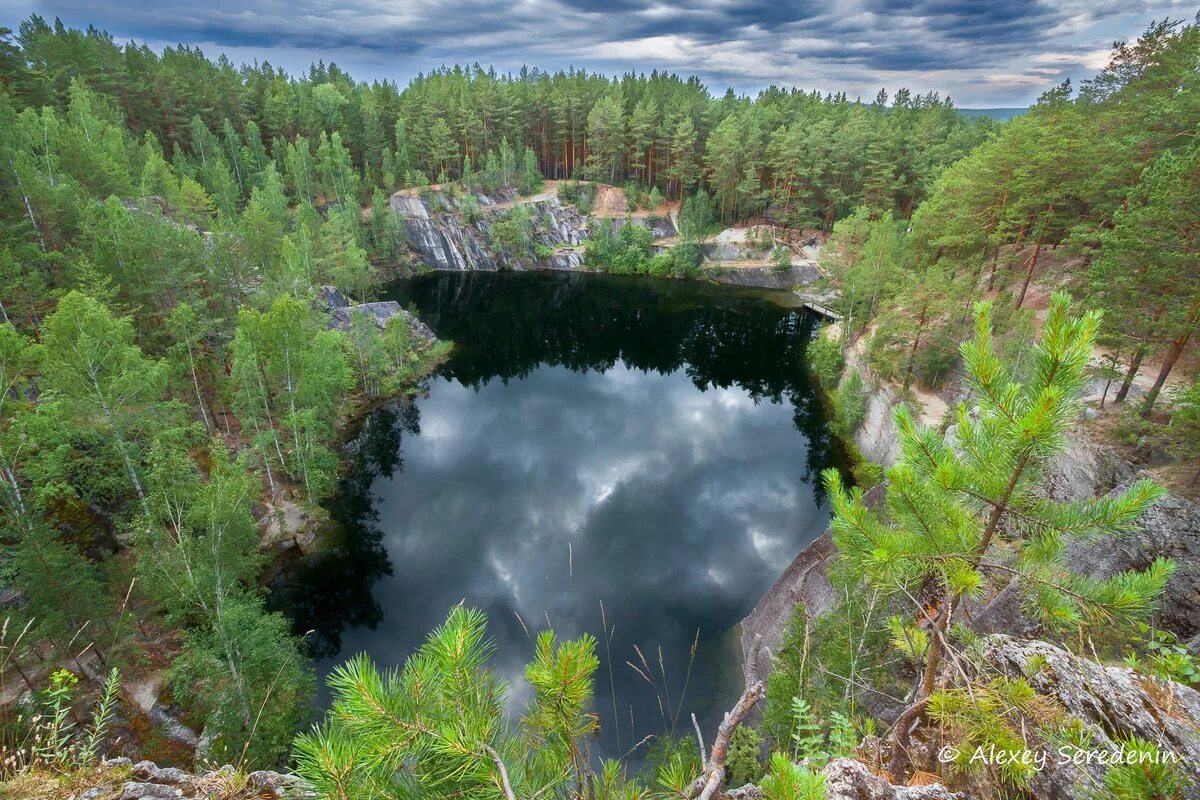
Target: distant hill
[998,114]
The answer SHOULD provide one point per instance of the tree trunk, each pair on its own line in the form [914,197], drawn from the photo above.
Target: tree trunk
[1135,364]
[1108,383]
[1172,356]
[912,355]
[1033,259]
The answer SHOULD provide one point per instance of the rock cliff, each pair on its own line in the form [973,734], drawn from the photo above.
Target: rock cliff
[444,240]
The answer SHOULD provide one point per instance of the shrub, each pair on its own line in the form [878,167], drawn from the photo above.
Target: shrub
[826,361]
[781,259]
[790,781]
[655,199]
[742,763]
[468,206]
[850,404]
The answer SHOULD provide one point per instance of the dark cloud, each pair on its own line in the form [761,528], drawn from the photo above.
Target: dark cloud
[981,52]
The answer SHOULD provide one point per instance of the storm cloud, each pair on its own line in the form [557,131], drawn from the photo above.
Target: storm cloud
[981,53]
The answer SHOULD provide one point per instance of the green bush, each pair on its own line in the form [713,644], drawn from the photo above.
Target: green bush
[826,361]
[742,763]
[937,358]
[781,259]
[850,404]
[867,473]
[581,195]
[790,781]
[632,195]
[468,206]
[654,199]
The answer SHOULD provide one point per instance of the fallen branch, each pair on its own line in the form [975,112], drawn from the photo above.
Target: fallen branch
[708,785]
[699,739]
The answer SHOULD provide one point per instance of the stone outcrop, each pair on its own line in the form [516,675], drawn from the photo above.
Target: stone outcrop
[1112,703]
[765,277]
[847,779]
[443,240]
[120,779]
[342,311]
[439,237]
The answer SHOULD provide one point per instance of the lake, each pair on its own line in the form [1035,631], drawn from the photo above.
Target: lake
[650,446]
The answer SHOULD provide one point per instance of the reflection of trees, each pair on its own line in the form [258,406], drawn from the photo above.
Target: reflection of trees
[332,589]
[507,325]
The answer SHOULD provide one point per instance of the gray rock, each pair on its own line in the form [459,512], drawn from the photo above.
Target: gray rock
[763,277]
[440,238]
[280,785]
[443,240]
[1113,703]
[173,728]
[150,772]
[134,790]
[1171,529]
[342,311]
[847,779]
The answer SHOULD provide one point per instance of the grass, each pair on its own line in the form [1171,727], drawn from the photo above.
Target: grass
[46,784]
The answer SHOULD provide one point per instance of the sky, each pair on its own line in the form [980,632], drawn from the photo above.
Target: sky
[997,53]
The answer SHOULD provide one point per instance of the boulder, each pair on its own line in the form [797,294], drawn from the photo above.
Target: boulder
[1112,703]
[1171,529]
[150,772]
[135,790]
[847,779]
[279,785]
[342,311]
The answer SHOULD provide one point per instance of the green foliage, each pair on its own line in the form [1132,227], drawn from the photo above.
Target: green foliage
[240,669]
[514,232]
[807,740]
[790,781]
[866,473]
[437,726]
[1146,773]
[626,252]
[948,500]
[1184,432]
[581,194]
[697,217]
[742,764]
[850,404]
[781,259]
[992,716]
[288,375]
[1165,657]
[825,359]
[941,528]
[55,740]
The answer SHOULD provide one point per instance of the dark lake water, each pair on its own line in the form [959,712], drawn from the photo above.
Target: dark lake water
[650,445]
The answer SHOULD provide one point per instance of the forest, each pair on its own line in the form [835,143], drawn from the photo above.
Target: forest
[170,382]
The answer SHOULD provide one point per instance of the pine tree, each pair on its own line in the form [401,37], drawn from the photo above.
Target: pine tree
[437,726]
[965,517]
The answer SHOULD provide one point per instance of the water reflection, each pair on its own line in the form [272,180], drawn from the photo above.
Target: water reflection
[651,447]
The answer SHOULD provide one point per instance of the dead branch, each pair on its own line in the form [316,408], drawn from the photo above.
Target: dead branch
[708,784]
[699,739]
